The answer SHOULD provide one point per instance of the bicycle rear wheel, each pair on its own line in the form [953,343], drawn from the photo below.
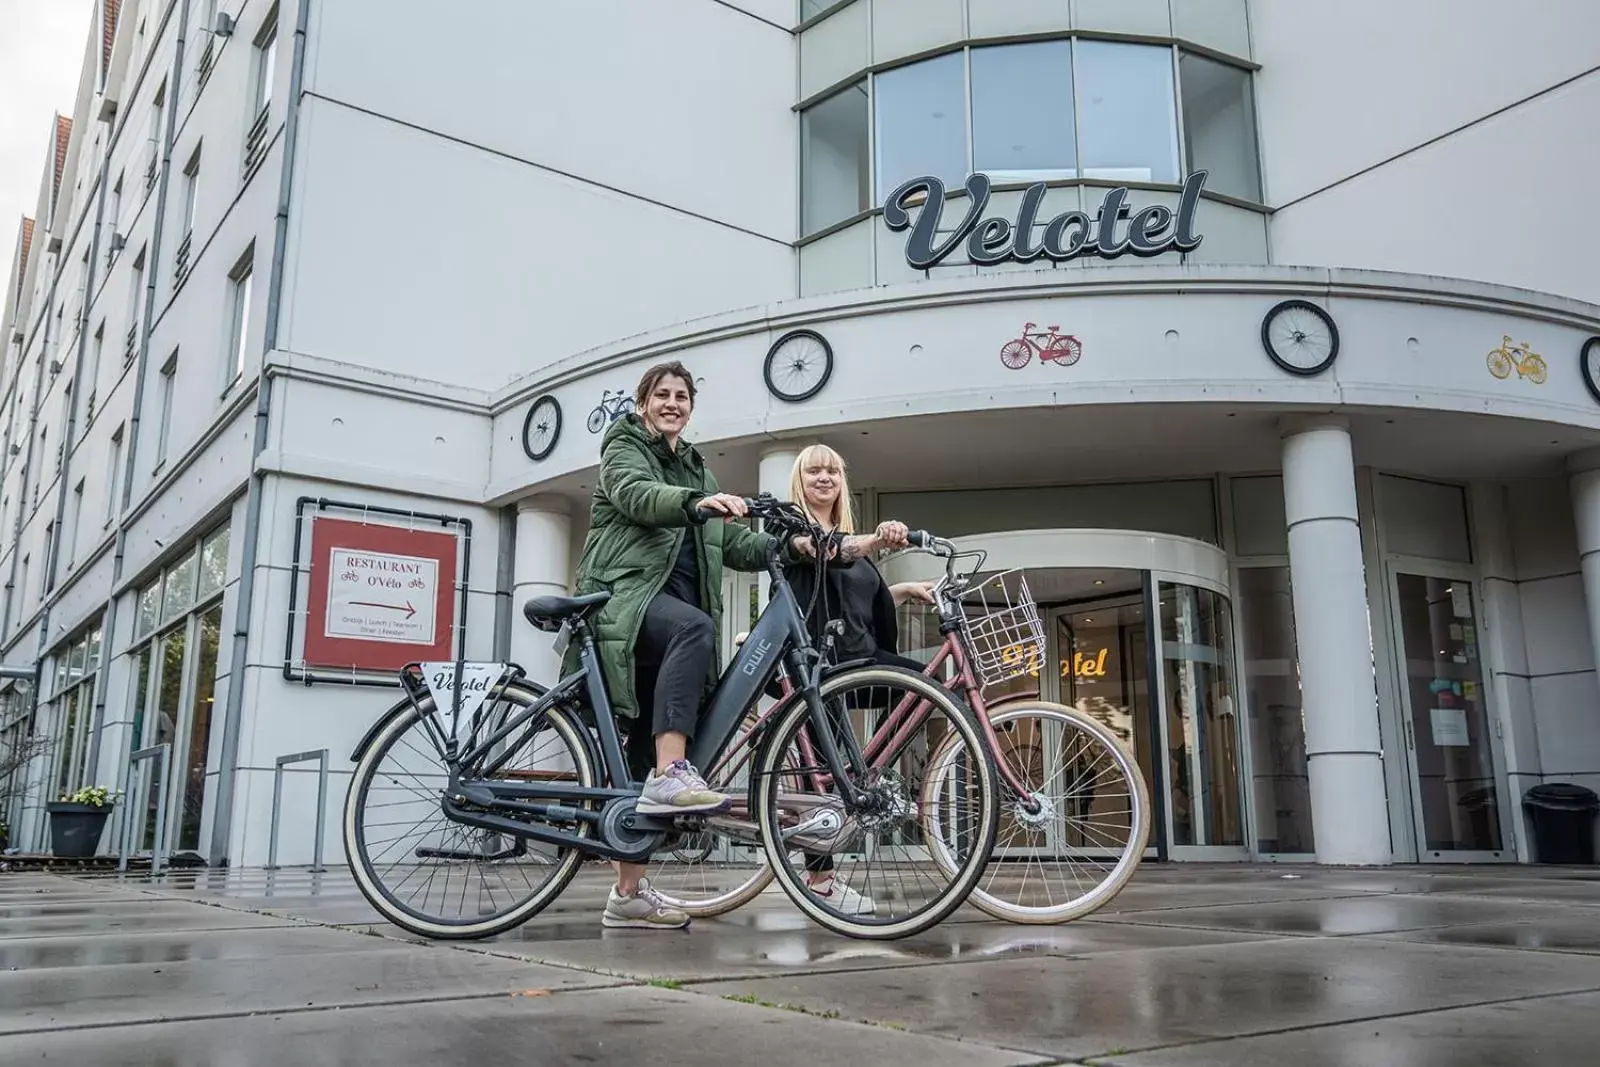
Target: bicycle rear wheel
[1089,825]
[880,849]
[439,879]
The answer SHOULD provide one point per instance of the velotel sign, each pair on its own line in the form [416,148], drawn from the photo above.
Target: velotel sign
[1152,231]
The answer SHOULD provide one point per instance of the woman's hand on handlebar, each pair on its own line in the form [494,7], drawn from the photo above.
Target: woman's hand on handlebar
[921,592]
[725,504]
[806,547]
[892,534]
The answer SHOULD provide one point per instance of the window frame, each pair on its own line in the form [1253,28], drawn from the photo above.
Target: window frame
[1176,49]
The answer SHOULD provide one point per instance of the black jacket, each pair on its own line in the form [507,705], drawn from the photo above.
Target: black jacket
[802,577]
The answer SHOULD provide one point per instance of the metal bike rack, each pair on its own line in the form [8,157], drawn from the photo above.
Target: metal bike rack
[140,798]
[321,756]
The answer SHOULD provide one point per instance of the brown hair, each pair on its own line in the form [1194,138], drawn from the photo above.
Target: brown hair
[653,376]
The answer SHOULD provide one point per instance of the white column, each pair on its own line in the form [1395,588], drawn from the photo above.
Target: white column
[543,563]
[777,461]
[1504,649]
[1333,635]
[1584,486]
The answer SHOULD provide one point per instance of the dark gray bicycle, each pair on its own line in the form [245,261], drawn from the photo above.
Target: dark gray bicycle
[465,826]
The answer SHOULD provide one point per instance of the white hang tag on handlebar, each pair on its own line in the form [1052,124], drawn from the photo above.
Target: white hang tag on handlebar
[476,681]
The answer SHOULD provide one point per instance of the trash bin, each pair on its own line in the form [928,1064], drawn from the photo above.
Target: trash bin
[1563,822]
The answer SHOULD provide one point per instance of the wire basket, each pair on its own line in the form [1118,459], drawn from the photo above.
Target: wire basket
[1004,636]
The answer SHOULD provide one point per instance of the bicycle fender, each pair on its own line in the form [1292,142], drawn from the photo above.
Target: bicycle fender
[377,727]
[383,720]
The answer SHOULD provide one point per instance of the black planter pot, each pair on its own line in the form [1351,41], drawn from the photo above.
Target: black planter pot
[75,829]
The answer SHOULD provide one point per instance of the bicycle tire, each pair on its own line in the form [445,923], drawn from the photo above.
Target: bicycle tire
[1132,854]
[769,770]
[397,720]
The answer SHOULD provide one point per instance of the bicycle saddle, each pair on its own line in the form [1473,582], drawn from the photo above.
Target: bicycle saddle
[547,613]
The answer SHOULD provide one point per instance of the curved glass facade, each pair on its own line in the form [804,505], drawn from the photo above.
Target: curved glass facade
[1071,108]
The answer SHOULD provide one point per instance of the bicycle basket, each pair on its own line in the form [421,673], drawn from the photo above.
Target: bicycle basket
[1004,636]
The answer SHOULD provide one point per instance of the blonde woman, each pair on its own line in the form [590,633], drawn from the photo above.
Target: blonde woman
[853,591]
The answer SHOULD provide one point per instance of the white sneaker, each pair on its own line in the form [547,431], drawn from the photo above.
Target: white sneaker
[645,910]
[843,899]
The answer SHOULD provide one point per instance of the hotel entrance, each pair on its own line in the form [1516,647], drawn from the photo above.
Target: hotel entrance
[1149,652]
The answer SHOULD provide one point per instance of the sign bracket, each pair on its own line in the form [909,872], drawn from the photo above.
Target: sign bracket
[296,668]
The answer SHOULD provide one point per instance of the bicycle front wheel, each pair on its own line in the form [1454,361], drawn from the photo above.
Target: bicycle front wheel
[440,879]
[1072,842]
[888,880]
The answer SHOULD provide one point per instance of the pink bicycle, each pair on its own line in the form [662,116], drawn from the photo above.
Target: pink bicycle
[1051,346]
[1075,815]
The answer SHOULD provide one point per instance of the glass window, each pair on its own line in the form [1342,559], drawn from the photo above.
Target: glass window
[179,593]
[1127,121]
[1259,526]
[1022,122]
[1424,519]
[1281,785]
[1202,732]
[149,603]
[1219,125]
[833,159]
[922,122]
[1450,726]
[214,563]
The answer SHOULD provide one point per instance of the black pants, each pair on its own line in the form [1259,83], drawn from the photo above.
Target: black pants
[824,864]
[671,660]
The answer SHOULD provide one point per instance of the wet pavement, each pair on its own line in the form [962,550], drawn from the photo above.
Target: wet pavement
[1235,965]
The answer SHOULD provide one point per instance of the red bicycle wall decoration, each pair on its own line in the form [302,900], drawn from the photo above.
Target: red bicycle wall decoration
[1050,345]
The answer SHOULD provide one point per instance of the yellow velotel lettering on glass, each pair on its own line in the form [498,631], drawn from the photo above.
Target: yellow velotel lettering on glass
[1080,666]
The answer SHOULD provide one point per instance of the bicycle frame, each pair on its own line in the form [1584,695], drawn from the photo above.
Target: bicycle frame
[779,637]
[907,716]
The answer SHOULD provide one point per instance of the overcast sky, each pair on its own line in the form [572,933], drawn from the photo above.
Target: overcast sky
[41,54]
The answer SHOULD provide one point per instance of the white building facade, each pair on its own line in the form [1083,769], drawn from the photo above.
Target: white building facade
[1264,355]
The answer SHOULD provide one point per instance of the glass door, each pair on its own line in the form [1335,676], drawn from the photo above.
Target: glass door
[1100,664]
[178,687]
[1201,763]
[1449,734]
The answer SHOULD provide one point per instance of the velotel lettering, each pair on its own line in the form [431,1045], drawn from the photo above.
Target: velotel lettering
[1145,227]
[920,252]
[1151,231]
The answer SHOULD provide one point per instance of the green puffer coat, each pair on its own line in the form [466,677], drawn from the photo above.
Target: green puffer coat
[642,507]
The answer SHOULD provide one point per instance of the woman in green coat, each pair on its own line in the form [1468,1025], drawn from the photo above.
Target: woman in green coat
[662,564]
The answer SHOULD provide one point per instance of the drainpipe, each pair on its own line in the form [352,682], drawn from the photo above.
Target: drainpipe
[27,456]
[67,435]
[70,429]
[221,823]
[142,356]
[22,511]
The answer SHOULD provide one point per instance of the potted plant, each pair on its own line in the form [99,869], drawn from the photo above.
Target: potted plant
[78,820]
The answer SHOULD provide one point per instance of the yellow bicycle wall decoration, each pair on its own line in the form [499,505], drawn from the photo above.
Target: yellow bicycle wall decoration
[1509,357]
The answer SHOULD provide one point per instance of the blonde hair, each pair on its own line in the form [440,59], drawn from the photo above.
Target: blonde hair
[844,511]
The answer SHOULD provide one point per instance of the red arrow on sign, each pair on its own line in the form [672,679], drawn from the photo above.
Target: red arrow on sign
[407,608]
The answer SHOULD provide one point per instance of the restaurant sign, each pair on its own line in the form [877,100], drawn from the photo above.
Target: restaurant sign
[1151,231]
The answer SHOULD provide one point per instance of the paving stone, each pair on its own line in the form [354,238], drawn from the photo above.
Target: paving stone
[186,989]
[1543,1032]
[1129,1000]
[639,1027]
